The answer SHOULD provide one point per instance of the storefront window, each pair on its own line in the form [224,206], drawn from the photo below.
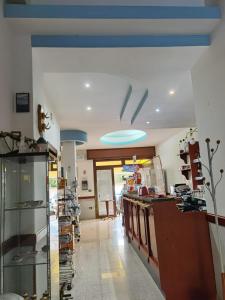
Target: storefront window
[108,163]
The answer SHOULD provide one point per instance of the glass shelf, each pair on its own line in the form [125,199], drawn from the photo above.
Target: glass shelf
[24,208]
[27,259]
[26,157]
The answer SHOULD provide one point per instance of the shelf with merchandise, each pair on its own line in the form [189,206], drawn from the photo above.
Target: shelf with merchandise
[19,258]
[25,221]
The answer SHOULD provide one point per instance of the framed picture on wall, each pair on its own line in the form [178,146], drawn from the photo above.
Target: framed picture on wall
[84,185]
[22,102]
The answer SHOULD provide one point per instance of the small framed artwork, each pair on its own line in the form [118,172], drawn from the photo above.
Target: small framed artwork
[84,185]
[22,102]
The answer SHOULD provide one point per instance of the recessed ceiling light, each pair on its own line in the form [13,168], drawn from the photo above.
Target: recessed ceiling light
[87,85]
[88,108]
[157,110]
[171,92]
[147,122]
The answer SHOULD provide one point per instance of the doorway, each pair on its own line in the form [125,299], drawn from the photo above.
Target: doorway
[105,192]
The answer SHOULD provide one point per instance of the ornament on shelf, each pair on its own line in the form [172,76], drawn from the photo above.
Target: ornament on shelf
[42,145]
[11,141]
[189,139]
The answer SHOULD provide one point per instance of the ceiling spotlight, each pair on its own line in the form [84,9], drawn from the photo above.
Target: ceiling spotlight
[171,92]
[87,85]
[157,110]
[89,108]
[147,122]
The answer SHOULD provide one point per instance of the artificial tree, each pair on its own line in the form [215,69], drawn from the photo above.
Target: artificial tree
[211,186]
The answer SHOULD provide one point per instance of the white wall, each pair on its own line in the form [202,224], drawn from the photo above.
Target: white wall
[5,74]
[208,77]
[171,162]
[15,76]
[85,172]
[209,88]
[22,81]
[40,97]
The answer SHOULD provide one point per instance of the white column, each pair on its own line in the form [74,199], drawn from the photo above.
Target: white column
[69,161]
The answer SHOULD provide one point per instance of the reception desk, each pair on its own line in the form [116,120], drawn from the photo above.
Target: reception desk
[174,246]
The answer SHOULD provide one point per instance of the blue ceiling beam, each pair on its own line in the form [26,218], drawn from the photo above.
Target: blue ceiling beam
[110,12]
[73,41]
[127,98]
[139,107]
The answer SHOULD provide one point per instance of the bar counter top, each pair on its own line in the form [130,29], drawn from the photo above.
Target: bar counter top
[149,198]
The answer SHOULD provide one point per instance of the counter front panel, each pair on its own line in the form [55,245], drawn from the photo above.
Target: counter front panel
[175,246]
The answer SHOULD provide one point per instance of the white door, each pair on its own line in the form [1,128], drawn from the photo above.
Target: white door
[105,191]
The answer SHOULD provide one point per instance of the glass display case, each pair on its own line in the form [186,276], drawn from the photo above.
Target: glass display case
[25,224]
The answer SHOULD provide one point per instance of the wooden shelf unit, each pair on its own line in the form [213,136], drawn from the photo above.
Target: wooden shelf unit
[195,171]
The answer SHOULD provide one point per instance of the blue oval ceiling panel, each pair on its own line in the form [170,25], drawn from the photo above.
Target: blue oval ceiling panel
[123,137]
[79,136]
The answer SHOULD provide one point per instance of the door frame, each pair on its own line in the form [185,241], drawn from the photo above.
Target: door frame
[96,189]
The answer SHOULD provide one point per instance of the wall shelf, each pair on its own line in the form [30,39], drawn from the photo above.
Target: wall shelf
[194,173]
[186,173]
[184,156]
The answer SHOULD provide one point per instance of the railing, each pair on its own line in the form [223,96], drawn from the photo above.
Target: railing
[140,228]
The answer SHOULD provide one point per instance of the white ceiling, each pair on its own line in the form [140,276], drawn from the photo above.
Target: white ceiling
[112,27]
[110,72]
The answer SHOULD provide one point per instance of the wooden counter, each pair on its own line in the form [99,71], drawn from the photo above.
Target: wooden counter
[175,246]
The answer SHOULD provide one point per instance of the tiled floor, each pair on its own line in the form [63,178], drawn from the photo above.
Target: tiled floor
[108,268]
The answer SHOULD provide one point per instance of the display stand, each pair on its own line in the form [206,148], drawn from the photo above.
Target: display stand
[69,232]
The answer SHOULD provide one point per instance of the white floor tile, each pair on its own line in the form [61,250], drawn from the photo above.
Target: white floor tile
[107,266]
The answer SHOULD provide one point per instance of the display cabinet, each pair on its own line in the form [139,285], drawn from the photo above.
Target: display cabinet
[25,224]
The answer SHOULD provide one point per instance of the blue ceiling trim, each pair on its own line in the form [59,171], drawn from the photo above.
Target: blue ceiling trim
[78,136]
[139,107]
[127,98]
[72,41]
[110,12]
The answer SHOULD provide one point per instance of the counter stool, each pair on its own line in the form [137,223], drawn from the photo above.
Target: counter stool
[108,217]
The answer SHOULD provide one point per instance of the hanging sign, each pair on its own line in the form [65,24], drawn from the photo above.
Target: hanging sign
[130,168]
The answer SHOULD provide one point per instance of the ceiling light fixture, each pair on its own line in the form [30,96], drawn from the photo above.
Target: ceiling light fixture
[123,137]
[171,92]
[157,110]
[87,85]
[147,122]
[88,108]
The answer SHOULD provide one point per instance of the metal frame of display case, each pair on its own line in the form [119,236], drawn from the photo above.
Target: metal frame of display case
[30,239]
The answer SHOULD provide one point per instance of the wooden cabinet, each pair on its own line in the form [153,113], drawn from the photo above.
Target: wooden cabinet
[175,246]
